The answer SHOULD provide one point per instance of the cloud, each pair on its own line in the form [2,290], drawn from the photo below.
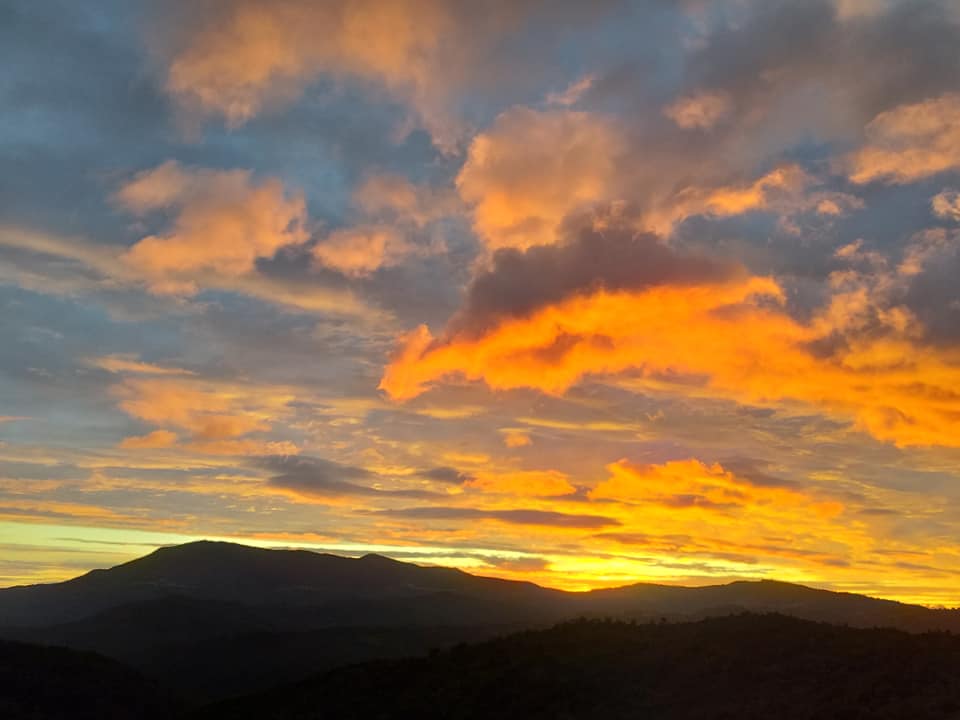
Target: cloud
[572,94]
[700,111]
[524,483]
[691,483]
[224,222]
[861,357]
[516,439]
[519,283]
[110,270]
[152,440]
[858,9]
[446,474]
[927,281]
[317,478]
[394,198]
[532,168]
[360,251]
[131,364]
[693,509]
[238,58]
[946,205]
[217,418]
[547,518]
[910,142]
[786,191]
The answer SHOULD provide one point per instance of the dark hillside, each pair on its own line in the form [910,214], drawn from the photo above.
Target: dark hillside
[44,683]
[737,667]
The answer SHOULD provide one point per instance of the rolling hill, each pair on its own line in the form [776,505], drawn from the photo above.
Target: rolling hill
[741,667]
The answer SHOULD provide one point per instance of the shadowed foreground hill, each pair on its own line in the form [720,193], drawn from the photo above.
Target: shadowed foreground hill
[44,683]
[742,667]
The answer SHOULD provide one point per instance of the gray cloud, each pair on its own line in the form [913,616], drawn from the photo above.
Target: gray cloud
[517,517]
[616,259]
[446,474]
[324,478]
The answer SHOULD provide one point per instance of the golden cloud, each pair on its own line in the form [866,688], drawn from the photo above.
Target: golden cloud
[217,418]
[910,142]
[533,168]
[523,483]
[396,198]
[242,57]
[700,111]
[224,223]
[152,440]
[728,338]
[361,251]
[786,190]
[946,205]
[693,484]
[516,439]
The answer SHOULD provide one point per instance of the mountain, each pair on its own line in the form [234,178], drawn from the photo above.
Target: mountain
[43,683]
[216,619]
[742,666]
[766,596]
[259,589]
[337,590]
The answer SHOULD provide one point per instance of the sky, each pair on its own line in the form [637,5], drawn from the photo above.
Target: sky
[584,294]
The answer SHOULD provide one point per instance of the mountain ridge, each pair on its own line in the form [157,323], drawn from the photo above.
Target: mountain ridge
[220,570]
[223,604]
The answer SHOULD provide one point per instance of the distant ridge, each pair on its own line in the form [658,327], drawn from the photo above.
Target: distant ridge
[216,619]
[259,577]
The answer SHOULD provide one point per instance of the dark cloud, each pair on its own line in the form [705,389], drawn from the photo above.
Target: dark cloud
[869,64]
[518,517]
[446,474]
[756,472]
[324,478]
[934,296]
[520,282]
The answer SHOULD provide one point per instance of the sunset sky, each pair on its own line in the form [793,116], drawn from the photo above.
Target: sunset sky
[579,293]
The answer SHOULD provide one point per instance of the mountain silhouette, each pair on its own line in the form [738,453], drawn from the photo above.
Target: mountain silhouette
[345,588]
[216,619]
[743,666]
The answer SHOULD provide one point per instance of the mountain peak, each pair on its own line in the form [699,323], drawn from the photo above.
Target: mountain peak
[376,558]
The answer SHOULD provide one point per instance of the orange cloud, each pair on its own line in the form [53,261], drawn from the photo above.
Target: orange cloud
[785,190]
[524,483]
[217,418]
[361,251]
[910,142]
[224,222]
[859,9]
[730,339]
[516,439]
[155,439]
[243,57]
[946,205]
[396,198]
[129,364]
[533,168]
[693,484]
[572,94]
[701,111]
